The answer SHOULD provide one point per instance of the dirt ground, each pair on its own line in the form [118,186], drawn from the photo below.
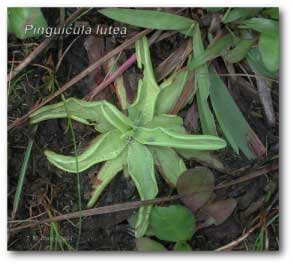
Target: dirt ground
[47,188]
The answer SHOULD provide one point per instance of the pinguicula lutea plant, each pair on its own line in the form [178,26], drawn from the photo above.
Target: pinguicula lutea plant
[136,143]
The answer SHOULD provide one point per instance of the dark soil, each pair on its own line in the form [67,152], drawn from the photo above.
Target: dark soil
[48,189]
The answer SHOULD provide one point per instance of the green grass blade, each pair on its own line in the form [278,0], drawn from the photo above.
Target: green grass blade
[203,84]
[213,51]
[149,19]
[239,13]
[21,176]
[233,124]
[77,171]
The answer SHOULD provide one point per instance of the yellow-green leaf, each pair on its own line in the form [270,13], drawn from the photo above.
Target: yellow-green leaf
[105,175]
[171,165]
[102,114]
[104,147]
[163,137]
[167,121]
[141,170]
[147,244]
[143,109]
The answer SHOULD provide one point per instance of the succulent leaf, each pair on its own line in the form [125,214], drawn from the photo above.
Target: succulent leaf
[143,109]
[163,137]
[104,147]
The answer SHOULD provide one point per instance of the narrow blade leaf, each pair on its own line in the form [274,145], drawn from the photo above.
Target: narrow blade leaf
[213,51]
[239,52]
[233,124]
[149,19]
[203,84]
[239,13]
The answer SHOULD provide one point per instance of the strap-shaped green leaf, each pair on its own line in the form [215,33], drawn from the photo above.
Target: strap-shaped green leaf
[203,84]
[213,51]
[239,52]
[104,147]
[262,25]
[169,94]
[150,19]
[105,175]
[163,137]
[228,114]
[269,48]
[171,165]
[143,109]
[141,170]
[268,40]
[255,62]
[239,13]
[101,113]
[168,121]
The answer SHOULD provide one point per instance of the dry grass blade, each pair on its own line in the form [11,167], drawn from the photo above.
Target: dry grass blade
[265,97]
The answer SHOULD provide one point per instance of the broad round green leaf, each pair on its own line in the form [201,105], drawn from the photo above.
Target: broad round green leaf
[22,21]
[173,223]
[199,182]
